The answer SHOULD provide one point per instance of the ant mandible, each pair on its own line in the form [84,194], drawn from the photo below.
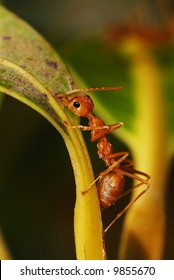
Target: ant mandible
[110,182]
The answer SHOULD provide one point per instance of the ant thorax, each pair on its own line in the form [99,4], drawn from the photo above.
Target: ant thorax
[105,149]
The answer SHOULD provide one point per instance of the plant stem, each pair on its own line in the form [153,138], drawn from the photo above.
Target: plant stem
[144,226]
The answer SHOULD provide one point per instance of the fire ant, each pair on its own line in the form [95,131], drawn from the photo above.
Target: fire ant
[110,182]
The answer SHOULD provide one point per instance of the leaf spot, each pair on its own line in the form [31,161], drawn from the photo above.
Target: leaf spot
[52,64]
[6,37]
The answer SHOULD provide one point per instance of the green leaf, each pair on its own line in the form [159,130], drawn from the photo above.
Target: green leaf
[32,72]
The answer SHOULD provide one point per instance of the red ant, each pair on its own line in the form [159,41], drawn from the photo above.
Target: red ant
[111,181]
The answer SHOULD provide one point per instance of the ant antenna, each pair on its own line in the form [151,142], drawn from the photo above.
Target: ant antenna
[87,90]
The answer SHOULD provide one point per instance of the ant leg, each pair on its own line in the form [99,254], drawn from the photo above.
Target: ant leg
[90,186]
[142,182]
[134,177]
[123,158]
[128,162]
[110,168]
[109,128]
[105,129]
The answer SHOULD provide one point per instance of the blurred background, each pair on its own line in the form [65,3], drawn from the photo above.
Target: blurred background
[38,194]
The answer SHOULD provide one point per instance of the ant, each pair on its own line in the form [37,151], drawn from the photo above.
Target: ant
[110,182]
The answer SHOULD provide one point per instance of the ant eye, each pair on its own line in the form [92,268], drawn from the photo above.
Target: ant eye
[76,104]
[81,105]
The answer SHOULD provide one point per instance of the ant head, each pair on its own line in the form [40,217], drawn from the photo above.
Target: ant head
[81,105]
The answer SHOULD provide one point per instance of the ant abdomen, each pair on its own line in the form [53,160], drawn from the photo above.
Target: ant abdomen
[110,188]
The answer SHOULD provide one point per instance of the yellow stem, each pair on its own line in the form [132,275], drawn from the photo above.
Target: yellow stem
[87,216]
[4,252]
[144,227]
